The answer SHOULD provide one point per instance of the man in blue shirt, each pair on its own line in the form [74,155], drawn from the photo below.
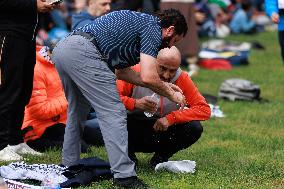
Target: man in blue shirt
[90,60]
[241,21]
[275,10]
[95,9]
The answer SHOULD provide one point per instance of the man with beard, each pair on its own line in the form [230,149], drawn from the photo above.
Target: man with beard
[88,62]
[170,129]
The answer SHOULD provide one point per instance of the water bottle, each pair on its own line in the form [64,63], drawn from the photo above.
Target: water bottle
[154,97]
[3,184]
[49,182]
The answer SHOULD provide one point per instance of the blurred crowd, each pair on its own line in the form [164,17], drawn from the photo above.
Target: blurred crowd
[212,18]
[56,24]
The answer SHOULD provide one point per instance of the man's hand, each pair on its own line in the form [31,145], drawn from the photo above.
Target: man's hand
[175,87]
[161,124]
[177,96]
[43,6]
[275,17]
[146,104]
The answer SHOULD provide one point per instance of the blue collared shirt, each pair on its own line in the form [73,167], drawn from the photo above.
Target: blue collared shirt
[122,35]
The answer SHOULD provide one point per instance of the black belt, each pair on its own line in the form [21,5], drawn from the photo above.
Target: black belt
[89,37]
[92,39]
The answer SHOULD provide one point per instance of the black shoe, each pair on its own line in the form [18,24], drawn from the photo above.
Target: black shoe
[130,183]
[156,159]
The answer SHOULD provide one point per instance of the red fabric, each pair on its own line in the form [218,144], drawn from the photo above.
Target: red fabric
[215,64]
[198,107]
[125,91]
[48,105]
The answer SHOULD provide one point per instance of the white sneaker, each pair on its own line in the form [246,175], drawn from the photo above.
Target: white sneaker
[23,148]
[9,155]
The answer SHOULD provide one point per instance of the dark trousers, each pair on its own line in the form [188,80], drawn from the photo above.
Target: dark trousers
[143,138]
[52,138]
[92,133]
[17,68]
[281,42]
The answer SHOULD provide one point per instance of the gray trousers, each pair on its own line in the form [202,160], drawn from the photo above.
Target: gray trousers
[87,82]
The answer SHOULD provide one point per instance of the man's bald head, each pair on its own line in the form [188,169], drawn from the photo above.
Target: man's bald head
[168,62]
[169,56]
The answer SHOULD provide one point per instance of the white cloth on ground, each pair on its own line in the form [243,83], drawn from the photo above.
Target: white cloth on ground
[21,171]
[183,166]
[216,111]
[15,184]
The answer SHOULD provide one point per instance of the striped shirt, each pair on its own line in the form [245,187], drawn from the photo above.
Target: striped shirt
[122,35]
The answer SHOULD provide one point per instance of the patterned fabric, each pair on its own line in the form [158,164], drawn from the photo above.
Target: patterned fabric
[21,171]
[44,53]
[123,35]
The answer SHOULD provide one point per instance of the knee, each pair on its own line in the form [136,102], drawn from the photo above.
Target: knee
[196,127]
[193,131]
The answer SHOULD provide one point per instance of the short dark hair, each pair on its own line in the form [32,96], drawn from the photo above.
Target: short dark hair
[246,4]
[172,17]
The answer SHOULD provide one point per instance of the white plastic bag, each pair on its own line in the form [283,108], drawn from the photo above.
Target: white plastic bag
[184,166]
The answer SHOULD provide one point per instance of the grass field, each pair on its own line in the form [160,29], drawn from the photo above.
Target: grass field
[243,150]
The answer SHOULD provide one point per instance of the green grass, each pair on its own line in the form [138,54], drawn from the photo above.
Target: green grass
[244,149]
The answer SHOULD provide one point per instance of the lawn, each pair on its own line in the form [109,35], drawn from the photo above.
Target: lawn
[243,150]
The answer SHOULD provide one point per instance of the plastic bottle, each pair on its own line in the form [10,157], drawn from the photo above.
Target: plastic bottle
[154,97]
[3,184]
[49,182]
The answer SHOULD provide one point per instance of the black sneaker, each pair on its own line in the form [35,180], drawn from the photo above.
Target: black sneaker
[130,183]
[156,159]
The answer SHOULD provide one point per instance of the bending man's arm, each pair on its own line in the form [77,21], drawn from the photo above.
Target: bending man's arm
[149,78]
[130,76]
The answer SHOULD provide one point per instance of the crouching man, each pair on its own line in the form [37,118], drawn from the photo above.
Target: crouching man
[170,129]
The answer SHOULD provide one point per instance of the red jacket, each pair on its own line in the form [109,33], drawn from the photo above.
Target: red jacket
[48,105]
[198,109]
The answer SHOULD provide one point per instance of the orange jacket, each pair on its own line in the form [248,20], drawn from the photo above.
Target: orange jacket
[198,109]
[48,105]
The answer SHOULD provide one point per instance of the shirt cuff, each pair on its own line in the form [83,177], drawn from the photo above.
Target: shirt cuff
[131,104]
[171,118]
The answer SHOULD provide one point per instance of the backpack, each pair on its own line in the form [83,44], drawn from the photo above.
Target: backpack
[239,89]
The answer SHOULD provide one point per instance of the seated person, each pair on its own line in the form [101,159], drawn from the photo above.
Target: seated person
[170,129]
[95,9]
[46,114]
[241,21]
